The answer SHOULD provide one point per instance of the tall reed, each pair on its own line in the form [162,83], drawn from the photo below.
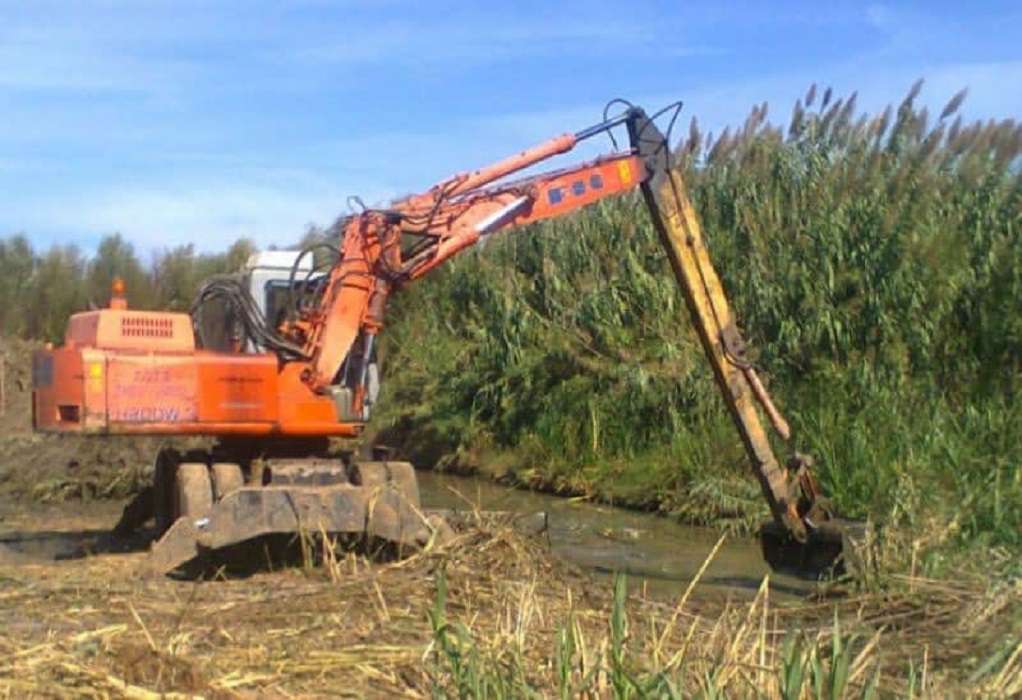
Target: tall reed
[875,264]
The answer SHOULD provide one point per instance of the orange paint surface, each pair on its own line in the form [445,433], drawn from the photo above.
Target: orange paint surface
[151,388]
[128,329]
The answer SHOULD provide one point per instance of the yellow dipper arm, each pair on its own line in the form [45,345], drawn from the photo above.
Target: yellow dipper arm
[678,226]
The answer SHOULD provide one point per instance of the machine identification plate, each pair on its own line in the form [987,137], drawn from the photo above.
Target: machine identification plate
[152,390]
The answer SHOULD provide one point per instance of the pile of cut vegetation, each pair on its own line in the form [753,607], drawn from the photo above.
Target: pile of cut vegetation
[491,614]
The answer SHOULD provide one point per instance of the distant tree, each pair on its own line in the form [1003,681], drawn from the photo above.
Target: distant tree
[39,291]
[238,254]
[57,291]
[177,274]
[115,257]
[17,264]
[312,236]
[174,276]
[315,235]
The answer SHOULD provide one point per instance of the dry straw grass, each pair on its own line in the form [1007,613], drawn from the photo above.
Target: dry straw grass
[493,615]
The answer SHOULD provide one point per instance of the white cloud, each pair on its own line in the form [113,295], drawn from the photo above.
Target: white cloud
[76,53]
[483,39]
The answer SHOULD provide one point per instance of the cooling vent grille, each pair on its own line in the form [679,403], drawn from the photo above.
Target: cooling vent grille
[146,327]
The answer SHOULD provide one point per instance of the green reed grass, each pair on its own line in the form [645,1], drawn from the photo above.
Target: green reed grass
[875,265]
[617,664]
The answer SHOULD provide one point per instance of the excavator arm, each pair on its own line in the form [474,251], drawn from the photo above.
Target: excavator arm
[799,511]
[384,249]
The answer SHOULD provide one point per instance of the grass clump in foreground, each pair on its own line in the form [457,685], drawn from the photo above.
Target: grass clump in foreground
[873,261]
[491,614]
[633,647]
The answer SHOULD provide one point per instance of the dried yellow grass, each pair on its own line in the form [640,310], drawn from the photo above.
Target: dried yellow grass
[357,627]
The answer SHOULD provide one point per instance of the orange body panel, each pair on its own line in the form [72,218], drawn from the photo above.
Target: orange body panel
[302,411]
[237,388]
[150,388]
[117,389]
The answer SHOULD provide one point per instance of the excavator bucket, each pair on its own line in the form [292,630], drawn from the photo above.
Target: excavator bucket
[376,499]
[836,548]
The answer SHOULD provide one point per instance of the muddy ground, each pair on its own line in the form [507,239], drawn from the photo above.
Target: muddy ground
[55,469]
[492,613]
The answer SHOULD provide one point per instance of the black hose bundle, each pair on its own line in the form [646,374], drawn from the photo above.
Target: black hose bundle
[304,295]
[232,290]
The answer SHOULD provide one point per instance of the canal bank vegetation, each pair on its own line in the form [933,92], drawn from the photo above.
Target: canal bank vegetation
[875,265]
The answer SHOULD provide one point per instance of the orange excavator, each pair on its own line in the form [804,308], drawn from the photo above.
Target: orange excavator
[278,359]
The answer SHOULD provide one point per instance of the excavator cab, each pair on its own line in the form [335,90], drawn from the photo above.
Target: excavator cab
[275,280]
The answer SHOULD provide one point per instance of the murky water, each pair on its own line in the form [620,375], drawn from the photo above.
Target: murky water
[654,551]
[664,554]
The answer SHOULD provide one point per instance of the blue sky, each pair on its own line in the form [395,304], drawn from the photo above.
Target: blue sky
[181,121]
